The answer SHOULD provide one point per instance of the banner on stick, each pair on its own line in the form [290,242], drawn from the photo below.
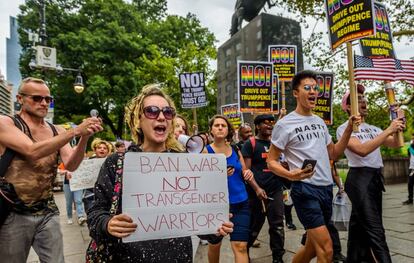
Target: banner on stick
[255,86]
[193,94]
[349,20]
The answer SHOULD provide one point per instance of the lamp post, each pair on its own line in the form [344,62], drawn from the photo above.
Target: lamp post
[45,58]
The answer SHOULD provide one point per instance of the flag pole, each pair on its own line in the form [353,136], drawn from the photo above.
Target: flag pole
[390,92]
[352,87]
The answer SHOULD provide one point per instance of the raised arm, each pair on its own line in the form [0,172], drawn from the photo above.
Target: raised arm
[336,150]
[13,138]
[384,138]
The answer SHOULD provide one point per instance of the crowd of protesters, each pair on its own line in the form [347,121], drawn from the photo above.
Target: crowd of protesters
[264,163]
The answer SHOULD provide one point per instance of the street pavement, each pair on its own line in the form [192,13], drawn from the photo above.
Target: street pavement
[398,221]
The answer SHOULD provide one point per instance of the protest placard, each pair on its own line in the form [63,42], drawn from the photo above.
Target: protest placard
[349,20]
[379,45]
[193,94]
[85,176]
[255,86]
[232,113]
[323,108]
[174,194]
[284,59]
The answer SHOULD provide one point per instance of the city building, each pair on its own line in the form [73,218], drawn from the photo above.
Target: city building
[251,43]
[13,51]
[5,97]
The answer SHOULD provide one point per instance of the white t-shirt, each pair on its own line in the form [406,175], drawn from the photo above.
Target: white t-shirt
[304,137]
[366,133]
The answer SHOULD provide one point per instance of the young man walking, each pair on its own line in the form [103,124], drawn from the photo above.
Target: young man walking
[301,135]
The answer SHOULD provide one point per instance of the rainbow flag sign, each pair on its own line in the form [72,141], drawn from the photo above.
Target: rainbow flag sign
[323,106]
[349,20]
[255,86]
[379,45]
[284,59]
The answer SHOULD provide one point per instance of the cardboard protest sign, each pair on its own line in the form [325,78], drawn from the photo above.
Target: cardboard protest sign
[284,59]
[232,113]
[349,20]
[174,194]
[193,94]
[255,86]
[379,45]
[85,176]
[324,101]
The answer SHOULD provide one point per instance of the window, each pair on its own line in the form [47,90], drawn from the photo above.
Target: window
[228,52]
[238,46]
[259,34]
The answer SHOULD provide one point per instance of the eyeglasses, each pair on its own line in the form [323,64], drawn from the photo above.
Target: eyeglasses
[269,122]
[309,87]
[152,112]
[38,98]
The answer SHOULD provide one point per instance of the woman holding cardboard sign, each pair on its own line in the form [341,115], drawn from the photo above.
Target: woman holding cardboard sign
[150,116]
[222,132]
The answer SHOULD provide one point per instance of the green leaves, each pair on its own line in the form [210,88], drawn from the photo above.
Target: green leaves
[119,46]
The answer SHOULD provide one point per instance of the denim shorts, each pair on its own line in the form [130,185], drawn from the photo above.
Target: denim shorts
[313,204]
[241,221]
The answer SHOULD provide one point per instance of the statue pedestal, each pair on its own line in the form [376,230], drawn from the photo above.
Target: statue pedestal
[251,43]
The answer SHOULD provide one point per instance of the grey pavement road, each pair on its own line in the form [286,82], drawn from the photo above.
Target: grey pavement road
[398,221]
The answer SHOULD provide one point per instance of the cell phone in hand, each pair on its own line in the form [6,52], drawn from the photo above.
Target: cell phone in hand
[309,163]
[230,166]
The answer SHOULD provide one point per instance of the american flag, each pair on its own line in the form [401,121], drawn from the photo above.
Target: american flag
[383,69]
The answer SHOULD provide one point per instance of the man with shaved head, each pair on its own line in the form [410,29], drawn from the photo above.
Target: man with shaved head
[26,185]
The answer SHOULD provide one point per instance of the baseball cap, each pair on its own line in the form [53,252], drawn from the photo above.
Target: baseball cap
[262,117]
[360,90]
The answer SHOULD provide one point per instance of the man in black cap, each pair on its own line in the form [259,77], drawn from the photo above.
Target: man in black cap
[255,152]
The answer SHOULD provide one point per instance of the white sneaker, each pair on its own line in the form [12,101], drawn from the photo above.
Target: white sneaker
[70,221]
[203,242]
[81,220]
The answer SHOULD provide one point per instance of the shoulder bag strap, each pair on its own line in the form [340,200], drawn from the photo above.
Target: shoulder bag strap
[118,184]
[9,154]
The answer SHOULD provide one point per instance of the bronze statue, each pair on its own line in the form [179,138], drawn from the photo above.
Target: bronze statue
[247,10]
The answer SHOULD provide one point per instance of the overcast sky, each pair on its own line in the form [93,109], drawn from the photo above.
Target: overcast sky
[213,14]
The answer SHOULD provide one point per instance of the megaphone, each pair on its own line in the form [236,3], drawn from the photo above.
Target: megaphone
[193,144]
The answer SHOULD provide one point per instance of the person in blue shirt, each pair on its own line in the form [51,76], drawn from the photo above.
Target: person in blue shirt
[222,132]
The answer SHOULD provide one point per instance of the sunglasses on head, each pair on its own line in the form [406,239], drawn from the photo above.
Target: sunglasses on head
[309,87]
[38,98]
[152,112]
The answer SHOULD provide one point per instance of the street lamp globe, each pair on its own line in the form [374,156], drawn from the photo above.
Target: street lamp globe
[78,85]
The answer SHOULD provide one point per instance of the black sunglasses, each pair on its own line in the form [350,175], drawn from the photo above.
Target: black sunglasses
[152,112]
[38,98]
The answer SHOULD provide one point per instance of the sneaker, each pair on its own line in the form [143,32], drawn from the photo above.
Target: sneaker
[70,221]
[203,242]
[81,220]
[277,260]
[291,226]
[408,202]
[338,257]
[256,243]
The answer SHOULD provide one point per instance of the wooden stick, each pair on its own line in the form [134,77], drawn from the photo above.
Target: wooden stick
[283,93]
[390,92]
[195,121]
[352,87]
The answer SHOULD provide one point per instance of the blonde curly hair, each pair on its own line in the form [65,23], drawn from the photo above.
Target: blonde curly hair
[135,108]
[98,141]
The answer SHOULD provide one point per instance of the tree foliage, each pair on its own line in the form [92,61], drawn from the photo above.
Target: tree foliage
[119,46]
